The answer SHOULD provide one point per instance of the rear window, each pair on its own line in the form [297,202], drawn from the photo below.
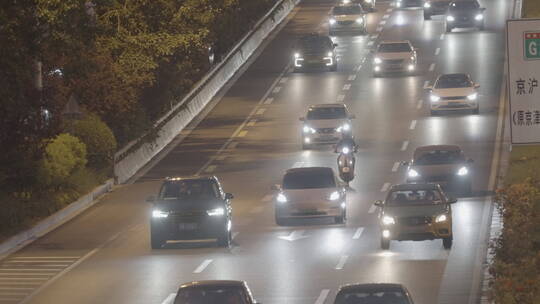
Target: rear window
[394,48]
[327,113]
[309,180]
[382,297]
[464,5]
[347,10]
[189,189]
[453,81]
[211,295]
[439,157]
[414,197]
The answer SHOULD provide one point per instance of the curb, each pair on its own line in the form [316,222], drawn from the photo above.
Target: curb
[50,223]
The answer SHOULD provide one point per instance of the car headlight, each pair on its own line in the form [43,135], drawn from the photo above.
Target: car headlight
[334,196]
[463,171]
[434,98]
[412,58]
[427,5]
[360,20]
[345,127]
[377,60]
[296,55]
[413,173]
[281,198]
[216,212]
[346,1]
[332,21]
[330,54]
[345,150]
[472,96]
[479,17]
[159,214]
[388,220]
[308,129]
[450,18]
[367,1]
[441,218]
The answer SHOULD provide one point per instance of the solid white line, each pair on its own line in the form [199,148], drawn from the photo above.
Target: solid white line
[22,279]
[395,167]
[53,270]
[372,209]
[283,80]
[346,87]
[16,288]
[497,149]
[404,145]
[341,262]
[413,125]
[358,233]
[27,274]
[352,77]
[260,111]
[432,67]
[276,90]
[169,299]
[385,187]
[370,43]
[340,97]
[251,123]
[419,105]
[442,36]
[426,84]
[202,266]
[15,283]
[437,51]
[269,100]
[210,169]
[45,258]
[322,296]
[242,133]
[386,16]
[267,198]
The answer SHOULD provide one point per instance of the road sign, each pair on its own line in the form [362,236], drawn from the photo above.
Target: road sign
[523,43]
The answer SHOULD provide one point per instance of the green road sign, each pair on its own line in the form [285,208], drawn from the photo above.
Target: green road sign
[532,45]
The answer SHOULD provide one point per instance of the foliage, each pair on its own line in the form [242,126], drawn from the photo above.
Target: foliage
[63,156]
[516,275]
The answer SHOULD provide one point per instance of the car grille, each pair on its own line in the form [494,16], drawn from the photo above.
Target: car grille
[437,178]
[346,22]
[440,4]
[415,220]
[325,130]
[453,97]
[187,213]
[393,61]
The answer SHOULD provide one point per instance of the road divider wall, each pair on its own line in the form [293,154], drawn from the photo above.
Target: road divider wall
[139,152]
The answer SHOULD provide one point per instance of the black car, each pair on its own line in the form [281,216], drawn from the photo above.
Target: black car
[376,293]
[435,7]
[463,14]
[315,50]
[409,3]
[214,292]
[192,208]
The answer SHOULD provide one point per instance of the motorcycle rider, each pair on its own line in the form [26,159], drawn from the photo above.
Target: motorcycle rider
[346,160]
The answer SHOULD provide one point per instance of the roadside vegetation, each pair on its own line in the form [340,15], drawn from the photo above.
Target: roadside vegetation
[125,63]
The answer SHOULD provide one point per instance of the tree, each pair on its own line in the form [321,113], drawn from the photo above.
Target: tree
[62,157]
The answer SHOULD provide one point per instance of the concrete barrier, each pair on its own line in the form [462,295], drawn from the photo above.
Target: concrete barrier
[139,152]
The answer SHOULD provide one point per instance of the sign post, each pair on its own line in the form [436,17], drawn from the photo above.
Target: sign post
[523,43]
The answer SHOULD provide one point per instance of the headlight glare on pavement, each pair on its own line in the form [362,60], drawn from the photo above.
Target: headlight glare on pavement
[413,173]
[388,220]
[463,171]
[159,214]
[216,212]
[281,198]
[334,196]
[450,18]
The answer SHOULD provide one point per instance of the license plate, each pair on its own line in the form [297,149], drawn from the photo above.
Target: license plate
[314,61]
[187,226]
[346,170]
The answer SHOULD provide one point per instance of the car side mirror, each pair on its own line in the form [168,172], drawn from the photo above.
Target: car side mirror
[476,85]
[470,160]
[229,196]
[276,187]
[378,203]
[151,199]
[301,119]
[352,116]
[483,9]
[452,200]
[404,163]
[335,45]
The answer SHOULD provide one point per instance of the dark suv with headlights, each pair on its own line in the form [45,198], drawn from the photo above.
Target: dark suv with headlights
[191,208]
[435,7]
[464,14]
[314,51]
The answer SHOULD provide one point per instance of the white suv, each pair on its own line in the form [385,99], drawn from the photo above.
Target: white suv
[394,56]
[310,192]
[325,123]
[454,92]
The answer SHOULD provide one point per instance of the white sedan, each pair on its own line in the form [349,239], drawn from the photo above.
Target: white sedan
[454,92]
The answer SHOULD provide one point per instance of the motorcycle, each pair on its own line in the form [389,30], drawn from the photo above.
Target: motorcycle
[346,162]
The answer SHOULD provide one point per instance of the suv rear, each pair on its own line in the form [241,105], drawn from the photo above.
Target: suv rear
[310,192]
[192,208]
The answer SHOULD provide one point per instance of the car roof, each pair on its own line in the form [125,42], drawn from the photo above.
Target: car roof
[372,287]
[229,283]
[189,178]
[415,186]
[394,41]
[308,169]
[327,105]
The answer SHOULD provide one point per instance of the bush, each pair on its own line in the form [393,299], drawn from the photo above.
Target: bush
[63,156]
[98,138]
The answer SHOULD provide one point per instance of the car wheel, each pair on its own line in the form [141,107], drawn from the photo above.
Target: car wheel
[427,16]
[447,242]
[448,29]
[385,244]
[225,239]
[156,241]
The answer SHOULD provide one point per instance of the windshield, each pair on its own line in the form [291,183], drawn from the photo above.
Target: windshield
[464,5]
[327,113]
[453,81]
[394,48]
[211,295]
[347,10]
[309,180]
[414,197]
[439,157]
[315,43]
[376,297]
[189,189]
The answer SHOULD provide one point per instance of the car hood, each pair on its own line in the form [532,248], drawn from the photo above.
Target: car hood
[464,12]
[435,170]
[188,204]
[318,52]
[415,210]
[325,123]
[454,92]
[347,17]
[308,195]
[389,56]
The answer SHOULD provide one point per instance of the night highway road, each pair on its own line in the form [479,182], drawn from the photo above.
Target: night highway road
[251,136]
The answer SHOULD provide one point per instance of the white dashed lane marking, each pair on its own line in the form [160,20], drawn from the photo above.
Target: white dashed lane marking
[251,123]
[346,87]
[352,77]
[372,209]
[322,296]
[283,80]
[341,262]
[242,133]
[210,169]
[269,100]
[260,111]
[358,233]
[413,125]
[276,90]
[202,266]
[340,97]
[385,188]
[395,167]
[386,16]
[437,51]
[379,28]
[419,104]
[442,37]
[404,145]
[370,43]
[432,67]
